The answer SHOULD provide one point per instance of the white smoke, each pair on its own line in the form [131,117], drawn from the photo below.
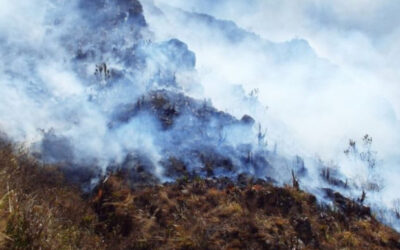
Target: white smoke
[327,71]
[313,74]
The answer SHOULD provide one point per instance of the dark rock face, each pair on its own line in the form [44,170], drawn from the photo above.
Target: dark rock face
[179,55]
[115,32]
[113,13]
[166,59]
[246,119]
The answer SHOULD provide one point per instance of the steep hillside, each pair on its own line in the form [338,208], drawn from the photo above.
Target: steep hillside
[146,125]
[41,210]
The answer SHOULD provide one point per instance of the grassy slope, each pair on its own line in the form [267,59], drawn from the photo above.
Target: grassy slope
[38,209]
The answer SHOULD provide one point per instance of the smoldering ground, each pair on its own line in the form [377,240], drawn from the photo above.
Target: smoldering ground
[174,90]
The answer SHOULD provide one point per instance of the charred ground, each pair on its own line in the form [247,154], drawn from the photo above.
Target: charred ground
[42,209]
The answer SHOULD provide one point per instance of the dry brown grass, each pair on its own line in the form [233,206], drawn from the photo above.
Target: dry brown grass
[40,210]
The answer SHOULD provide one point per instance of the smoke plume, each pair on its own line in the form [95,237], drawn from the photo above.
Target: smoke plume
[165,89]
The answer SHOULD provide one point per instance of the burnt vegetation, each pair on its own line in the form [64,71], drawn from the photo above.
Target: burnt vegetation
[40,209]
[72,206]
